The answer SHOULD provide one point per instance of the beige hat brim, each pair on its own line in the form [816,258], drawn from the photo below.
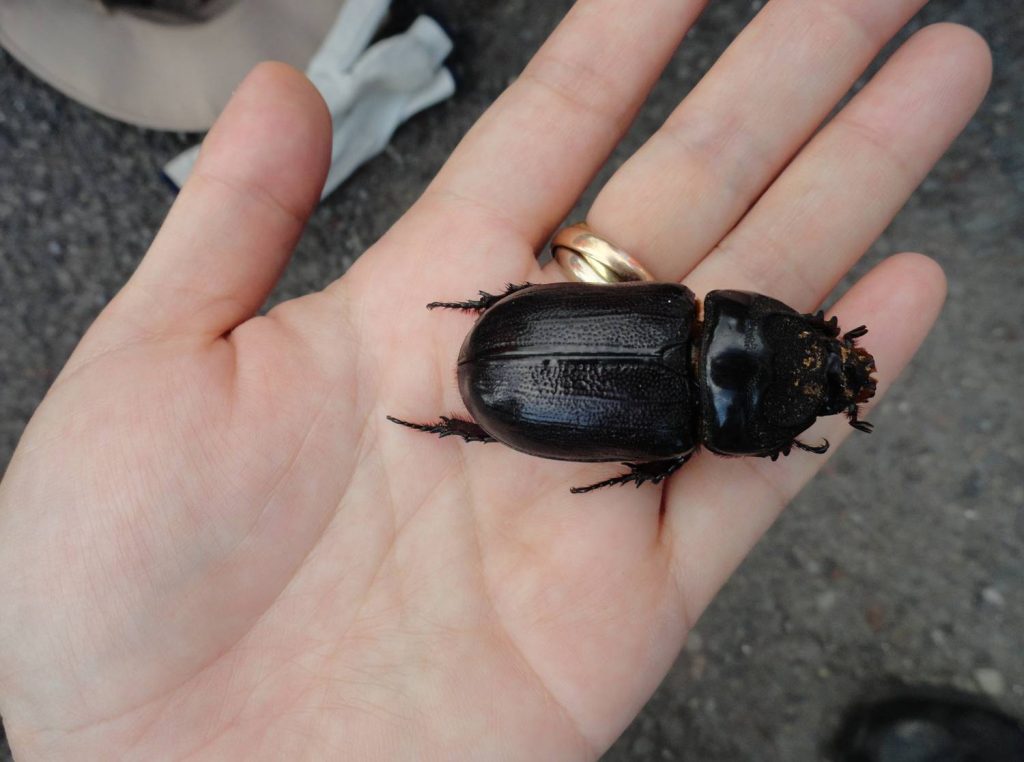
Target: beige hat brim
[164,76]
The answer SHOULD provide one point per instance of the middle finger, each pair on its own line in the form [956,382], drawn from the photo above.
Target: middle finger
[694,179]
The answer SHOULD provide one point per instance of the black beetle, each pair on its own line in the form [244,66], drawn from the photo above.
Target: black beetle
[627,372]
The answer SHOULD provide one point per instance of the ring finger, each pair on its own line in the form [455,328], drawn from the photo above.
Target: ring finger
[697,175]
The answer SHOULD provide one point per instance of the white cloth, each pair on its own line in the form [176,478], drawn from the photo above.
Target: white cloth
[369,92]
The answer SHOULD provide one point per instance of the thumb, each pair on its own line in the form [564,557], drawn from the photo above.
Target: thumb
[233,227]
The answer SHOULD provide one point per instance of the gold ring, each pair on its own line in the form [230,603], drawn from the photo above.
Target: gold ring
[588,258]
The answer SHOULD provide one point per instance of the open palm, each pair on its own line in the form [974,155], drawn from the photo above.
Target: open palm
[212,542]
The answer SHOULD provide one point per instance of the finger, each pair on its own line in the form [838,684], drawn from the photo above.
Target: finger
[528,159]
[719,507]
[237,219]
[842,191]
[680,193]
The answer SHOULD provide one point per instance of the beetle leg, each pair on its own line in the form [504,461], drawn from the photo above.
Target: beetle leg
[787,448]
[655,472]
[856,333]
[829,327]
[449,427]
[864,426]
[816,449]
[486,301]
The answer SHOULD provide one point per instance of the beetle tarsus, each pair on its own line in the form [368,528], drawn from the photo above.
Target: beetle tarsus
[640,473]
[786,449]
[485,302]
[856,333]
[449,427]
[816,449]
[864,426]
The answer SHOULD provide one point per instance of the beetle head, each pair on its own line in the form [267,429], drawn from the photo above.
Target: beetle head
[848,371]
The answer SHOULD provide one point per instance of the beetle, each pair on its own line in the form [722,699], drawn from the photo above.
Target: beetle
[629,372]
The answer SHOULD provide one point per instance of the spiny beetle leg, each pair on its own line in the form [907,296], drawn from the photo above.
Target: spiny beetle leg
[655,472]
[485,302]
[449,427]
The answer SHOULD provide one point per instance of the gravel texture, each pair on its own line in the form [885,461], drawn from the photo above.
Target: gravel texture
[903,560]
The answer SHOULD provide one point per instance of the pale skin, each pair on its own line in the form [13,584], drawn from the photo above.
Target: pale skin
[214,546]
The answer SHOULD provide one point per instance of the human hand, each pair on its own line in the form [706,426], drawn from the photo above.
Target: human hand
[212,542]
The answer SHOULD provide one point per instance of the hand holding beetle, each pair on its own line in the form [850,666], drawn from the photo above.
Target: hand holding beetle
[214,545]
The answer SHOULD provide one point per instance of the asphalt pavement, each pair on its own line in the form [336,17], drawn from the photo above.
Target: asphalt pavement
[904,560]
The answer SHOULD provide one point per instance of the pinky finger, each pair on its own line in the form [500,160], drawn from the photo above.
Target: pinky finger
[719,508]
